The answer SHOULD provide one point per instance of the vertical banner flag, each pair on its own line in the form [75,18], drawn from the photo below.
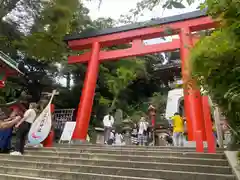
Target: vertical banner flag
[42,125]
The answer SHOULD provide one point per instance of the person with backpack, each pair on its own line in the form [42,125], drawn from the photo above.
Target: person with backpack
[108,122]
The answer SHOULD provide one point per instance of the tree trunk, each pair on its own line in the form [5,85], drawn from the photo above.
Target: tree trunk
[68,78]
[113,102]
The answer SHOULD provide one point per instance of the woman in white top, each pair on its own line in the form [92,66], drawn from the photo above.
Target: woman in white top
[108,122]
[142,131]
[24,126]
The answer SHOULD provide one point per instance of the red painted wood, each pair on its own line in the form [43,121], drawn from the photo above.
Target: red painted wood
[137,49]
[48,142]
[184,53]
[199,142]
[145,33]
[86,101]
[208,125]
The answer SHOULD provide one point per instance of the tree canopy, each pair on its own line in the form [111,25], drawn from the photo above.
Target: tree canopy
[215,59]
[35,39]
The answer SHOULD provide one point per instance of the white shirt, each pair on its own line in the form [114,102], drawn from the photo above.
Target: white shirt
[142,127]
[30,115]
[112,136]
[108,121]
[118,139]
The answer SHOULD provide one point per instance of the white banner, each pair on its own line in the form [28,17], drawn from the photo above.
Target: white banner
[68,131]
[41,126]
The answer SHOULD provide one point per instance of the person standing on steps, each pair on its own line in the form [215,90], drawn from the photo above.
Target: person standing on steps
[6,128]
[178,130]
[134,135]
[108,122]
[23,127]
[142,132]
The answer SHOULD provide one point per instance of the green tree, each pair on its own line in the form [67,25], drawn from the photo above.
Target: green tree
[215,59]
[57,19]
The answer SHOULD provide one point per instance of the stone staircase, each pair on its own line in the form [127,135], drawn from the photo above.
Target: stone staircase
[94,162]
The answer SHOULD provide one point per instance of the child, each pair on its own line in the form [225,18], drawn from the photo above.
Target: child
[118,139]
[134,135]
[111,138]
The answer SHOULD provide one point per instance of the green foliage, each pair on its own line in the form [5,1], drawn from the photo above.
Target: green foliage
[159,101]
[57,19]
[215,59]
[120,81]
[126,84]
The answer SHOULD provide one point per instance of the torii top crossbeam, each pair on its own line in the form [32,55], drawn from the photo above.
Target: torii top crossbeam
[134,35]
[196,21]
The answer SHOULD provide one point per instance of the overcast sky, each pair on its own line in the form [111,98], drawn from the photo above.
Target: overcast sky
[114,8]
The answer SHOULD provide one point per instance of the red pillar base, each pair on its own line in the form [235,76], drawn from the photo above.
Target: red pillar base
[208,125]
[188,118]
[199,142]
[195,107]
[48,142]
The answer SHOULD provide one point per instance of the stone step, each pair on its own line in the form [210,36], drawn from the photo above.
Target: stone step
[113,171]
[118,164]
[102,146]
[18,177]
[98,156]
[64,175]
[130,152]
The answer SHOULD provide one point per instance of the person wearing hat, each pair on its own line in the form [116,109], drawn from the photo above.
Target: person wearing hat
[23,127]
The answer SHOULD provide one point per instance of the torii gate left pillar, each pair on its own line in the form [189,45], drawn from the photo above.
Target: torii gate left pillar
[87,97]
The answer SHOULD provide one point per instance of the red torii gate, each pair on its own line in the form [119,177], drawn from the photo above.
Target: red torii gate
[182,25]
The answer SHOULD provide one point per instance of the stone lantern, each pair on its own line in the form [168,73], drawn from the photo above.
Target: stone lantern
[127,127]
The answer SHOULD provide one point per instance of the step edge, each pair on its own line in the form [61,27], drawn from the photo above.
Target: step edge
[79,173]
[124,150]
[106,160]
[119,155]
[69,158]
[81,165]
[25,177]
[52,170]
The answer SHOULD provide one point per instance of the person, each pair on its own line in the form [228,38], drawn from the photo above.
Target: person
[178,130]
[134,135]
[118,139]
[6,131]
[111,138]
[23,127]
[142,132]
[108,122]
[9,122]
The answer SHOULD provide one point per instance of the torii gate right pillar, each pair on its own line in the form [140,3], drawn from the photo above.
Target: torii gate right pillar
[192,95]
